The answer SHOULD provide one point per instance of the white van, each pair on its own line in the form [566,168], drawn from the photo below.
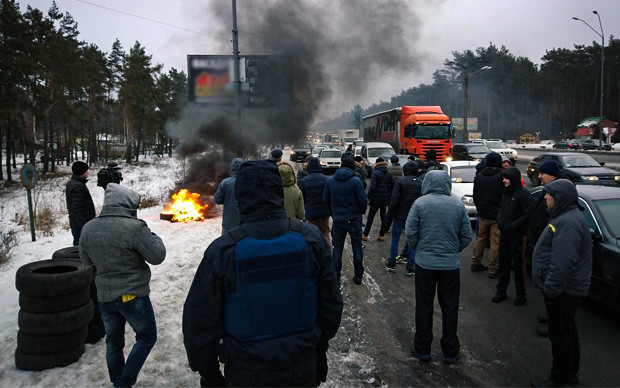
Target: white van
[371,151]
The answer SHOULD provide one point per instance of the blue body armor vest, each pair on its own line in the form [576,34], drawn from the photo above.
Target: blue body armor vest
[275,293]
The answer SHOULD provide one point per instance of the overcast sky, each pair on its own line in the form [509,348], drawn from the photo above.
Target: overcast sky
[172,29]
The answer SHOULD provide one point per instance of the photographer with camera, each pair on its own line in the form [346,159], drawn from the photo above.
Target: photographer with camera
[109,174]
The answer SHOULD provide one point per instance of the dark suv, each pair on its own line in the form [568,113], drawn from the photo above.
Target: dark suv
[469,151]
[300,154]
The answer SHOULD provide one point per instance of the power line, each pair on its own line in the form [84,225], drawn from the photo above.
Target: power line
[153,21]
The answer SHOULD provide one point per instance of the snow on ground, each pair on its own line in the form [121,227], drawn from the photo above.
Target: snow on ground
[185,244]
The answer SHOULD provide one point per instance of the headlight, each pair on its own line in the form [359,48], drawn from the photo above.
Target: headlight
[589,177]
[617,177]
[467,200]
[448,158]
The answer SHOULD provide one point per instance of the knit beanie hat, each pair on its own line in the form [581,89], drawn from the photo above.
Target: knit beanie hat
[493,159]
[550,167]
[379,160]
[348,162]
[358,159]
[276,153]
[78,168]
[394,159]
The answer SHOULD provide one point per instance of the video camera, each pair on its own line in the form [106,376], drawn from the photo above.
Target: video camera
[109,174]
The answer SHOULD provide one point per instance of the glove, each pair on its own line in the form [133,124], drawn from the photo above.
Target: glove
[212,378]
[321,368]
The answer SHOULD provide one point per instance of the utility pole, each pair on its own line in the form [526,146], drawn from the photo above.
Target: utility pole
[466,87]
[602,35]
[235,41]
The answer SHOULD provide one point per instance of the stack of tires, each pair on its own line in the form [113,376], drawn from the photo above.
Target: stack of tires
[96,330]
[55,310]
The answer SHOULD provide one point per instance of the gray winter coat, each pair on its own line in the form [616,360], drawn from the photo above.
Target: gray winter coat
[225,195]
[120,245]
[437,227]
[562,259]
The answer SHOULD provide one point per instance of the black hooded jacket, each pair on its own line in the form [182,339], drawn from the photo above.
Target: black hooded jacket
[260,197]
[407,189]
[79,202]
[488,190]
[381,185]
[516,206]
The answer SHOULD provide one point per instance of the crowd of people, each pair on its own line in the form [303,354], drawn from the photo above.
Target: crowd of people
[266,298]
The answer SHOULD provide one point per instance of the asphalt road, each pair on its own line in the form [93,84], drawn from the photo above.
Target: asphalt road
[499,346]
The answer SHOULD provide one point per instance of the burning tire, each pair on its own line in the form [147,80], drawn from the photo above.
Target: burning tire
[53,277]
[33,362]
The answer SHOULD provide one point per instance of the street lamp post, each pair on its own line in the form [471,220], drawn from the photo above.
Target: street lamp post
[602,35]
[466,76]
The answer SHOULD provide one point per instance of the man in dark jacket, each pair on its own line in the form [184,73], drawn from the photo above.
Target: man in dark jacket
[347,202]
[121,247]
[379,191]
[562,268]
[488,190]
[547,172]
[312,188]
[79,202]
[407,189]
[360,169]
[225,195]
[265,297]
[512,219]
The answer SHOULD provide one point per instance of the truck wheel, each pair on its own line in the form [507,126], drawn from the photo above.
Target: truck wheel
[50,344]
[25,361]
[53,277]
[55,323]
[54,304]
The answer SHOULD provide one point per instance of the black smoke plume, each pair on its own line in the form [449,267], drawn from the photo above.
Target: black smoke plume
[334,49]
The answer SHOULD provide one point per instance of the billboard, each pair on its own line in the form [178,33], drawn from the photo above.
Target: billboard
[266,80]
[472,123]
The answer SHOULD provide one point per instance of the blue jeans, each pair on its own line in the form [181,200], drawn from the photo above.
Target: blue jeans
[339,234]
[139,314]
[397,229]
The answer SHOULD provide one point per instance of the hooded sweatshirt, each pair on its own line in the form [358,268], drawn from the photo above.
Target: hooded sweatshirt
[381,185]
[225,195]
[562,259]
[312,187]
[120,245]
[293,199]
[438,226]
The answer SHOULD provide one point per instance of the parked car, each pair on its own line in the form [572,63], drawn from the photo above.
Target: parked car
[469,151]
[330,159]
[299,154]
[593,144]
[498,145]
[561,145]
[462,174]
[316,149]
[577,167]
[600,205]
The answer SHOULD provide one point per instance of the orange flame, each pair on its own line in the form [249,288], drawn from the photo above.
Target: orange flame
[186,207]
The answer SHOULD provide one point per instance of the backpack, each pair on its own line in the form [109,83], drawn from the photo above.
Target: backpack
[275,294]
